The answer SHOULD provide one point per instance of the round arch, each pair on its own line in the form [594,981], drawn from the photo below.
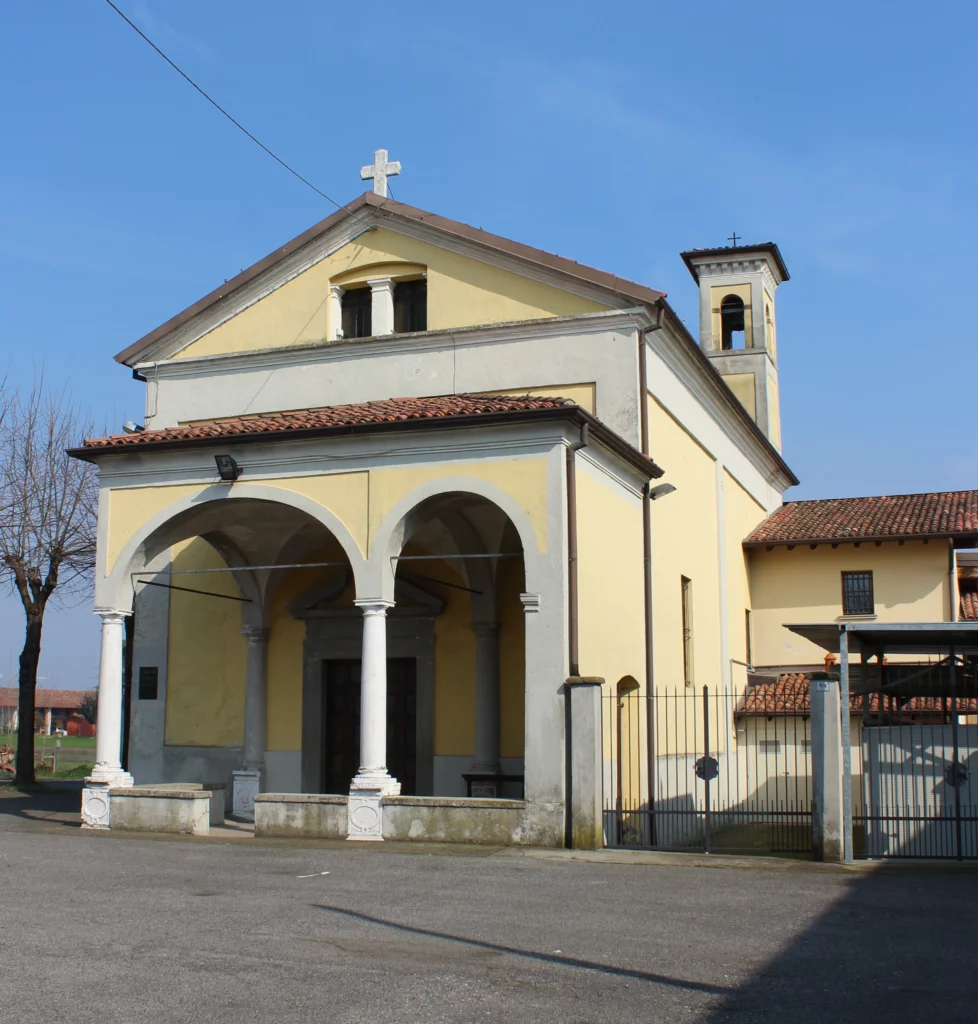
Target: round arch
[389,539]
[114,590]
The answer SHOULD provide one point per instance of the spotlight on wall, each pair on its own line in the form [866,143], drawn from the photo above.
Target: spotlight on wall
[132,427]
[227,468]
[661,491]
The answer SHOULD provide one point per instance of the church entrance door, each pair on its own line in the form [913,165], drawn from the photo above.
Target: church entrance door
[341,723]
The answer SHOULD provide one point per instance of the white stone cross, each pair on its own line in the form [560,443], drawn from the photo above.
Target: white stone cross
[380,171]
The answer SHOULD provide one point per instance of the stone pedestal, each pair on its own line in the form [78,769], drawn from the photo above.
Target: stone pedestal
[95,804]
[584,754]
[827,833]
[246,786]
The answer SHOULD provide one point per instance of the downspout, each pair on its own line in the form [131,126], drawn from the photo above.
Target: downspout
[572,591]
[643,413]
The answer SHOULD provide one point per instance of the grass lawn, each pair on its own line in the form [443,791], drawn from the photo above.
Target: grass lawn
[67,742]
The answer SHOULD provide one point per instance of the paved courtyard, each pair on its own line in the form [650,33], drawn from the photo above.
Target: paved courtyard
[103,928]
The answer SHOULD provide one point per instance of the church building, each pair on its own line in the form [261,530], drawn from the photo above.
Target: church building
[401,488]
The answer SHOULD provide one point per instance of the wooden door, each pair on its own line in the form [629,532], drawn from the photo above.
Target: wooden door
[341,723]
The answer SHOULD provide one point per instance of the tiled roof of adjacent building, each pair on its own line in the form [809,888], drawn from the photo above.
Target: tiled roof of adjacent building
[789,695]
[391,413]
[969,605]
[43,698]
[886,517]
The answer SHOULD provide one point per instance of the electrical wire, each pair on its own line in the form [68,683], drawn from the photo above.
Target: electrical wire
[218,106]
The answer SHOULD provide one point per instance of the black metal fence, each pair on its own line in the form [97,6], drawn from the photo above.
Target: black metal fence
[720,777]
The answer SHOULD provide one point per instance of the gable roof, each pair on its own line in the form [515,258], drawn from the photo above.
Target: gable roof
[637,294]
[370,417]
[951,514]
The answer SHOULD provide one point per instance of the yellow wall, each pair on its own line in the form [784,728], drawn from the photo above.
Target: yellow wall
[205,679]
[583,394]
[742,385]
[524,479]
[741,513]
[805,586]
[611,612]
[684,543]
[462,292]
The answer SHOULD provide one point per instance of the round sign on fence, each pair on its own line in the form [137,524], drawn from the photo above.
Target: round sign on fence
[956,774]
[706,768]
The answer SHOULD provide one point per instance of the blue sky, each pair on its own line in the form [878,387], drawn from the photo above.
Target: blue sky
[616,135]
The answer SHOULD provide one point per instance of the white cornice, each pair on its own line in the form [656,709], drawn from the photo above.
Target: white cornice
[429,341]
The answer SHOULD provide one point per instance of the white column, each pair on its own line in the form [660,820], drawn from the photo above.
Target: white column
[108,770]
[372,781]
[335,312]
[247,782]
[47,721]
[381,306]
[486,704]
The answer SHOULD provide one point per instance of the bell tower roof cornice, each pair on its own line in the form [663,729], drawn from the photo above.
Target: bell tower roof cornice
[731,259]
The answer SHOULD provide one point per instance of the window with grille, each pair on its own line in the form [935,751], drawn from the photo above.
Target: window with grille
[769,746]
[857,593]
[687,598]
[410,306]
[356,304]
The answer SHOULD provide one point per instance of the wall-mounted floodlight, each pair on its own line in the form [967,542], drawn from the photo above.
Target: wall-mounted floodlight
[132,427]
[661,491]
[228,469]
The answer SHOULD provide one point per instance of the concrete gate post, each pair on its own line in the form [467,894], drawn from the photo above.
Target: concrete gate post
[583,754]
[827,841]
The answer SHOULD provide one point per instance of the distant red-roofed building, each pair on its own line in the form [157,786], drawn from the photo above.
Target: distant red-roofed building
[54,711]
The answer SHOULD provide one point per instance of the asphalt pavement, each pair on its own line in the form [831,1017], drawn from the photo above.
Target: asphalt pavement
[106,928]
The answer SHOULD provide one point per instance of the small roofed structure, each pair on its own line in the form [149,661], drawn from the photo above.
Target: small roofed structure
[54,710]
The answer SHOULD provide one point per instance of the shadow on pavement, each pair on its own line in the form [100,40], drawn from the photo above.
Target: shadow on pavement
[47,802]
[898,946]
[549,958]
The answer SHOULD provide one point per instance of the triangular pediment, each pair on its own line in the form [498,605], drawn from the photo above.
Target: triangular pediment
[474,278]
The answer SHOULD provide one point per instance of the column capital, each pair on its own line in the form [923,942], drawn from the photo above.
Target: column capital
[381,284]
[337,290]
[530,602]
[372,606]
[486,629]
[255,634]
[109,615]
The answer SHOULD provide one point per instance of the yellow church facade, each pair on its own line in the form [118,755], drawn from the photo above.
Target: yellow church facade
[400,488]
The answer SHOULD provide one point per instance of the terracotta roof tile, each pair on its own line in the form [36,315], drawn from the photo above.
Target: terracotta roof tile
[43,698]
[891,516]
[969,605]
[789,695]
[390,410]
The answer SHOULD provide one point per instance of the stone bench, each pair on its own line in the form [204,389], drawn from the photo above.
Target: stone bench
[164,808]
[302,815]
[441,819]
[217,791]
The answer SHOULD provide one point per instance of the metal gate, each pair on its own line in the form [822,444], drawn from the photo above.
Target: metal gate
[727,773]
[914,748]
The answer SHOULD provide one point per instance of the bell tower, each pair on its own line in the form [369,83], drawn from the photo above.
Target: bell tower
[738,325]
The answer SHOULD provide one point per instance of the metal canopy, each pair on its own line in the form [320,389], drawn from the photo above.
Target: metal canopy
[892,637]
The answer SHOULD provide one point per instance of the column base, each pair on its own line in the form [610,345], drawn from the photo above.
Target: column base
[95,801]
[365,813]
[245,787]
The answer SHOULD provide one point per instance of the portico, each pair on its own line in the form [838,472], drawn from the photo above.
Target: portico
[368,636]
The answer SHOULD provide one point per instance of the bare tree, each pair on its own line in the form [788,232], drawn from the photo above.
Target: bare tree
[89,707]
[48,510]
